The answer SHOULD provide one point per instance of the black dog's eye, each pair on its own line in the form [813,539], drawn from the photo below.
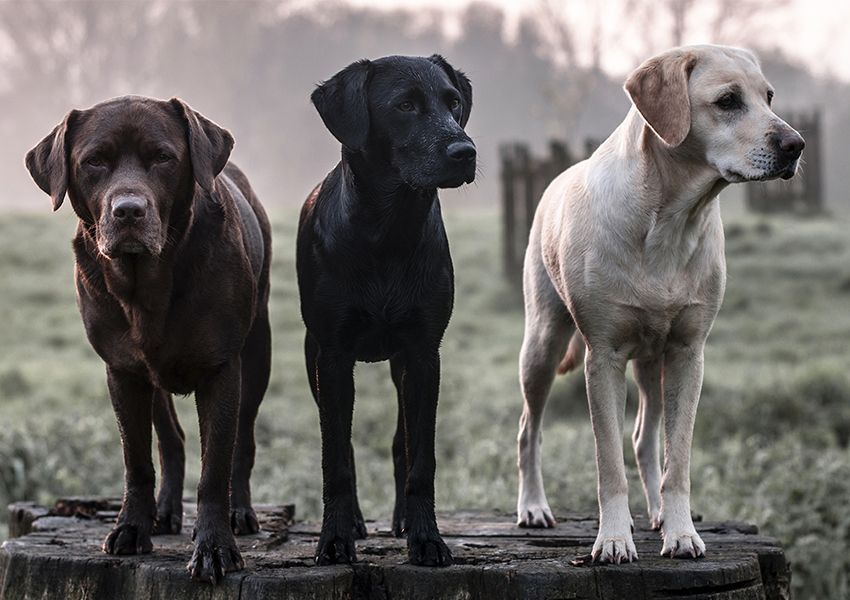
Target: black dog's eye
[455,103]
[406,106]
[728,102]
[162,157]
[94,161]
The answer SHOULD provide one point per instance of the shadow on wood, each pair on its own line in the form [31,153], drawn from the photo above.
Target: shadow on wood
[59,557]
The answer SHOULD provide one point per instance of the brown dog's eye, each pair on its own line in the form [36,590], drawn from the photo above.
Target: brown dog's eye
[162,158]
[406,106]
[94,161]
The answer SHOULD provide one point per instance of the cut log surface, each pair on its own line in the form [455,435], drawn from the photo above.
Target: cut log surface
[60,557]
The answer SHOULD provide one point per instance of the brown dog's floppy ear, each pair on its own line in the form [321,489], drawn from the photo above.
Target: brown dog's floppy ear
[659,90]
[48,161]
[209,144]
[461,83]
[343,104]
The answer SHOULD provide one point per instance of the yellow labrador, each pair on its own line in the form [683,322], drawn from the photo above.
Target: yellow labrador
[626,261]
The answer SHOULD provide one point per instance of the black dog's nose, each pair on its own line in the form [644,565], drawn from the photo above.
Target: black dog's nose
[792,143]
[129,209]
[461,151]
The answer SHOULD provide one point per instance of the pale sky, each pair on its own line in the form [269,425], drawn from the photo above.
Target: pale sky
[815,31]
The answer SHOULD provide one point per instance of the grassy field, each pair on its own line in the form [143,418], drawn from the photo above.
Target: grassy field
[771,444]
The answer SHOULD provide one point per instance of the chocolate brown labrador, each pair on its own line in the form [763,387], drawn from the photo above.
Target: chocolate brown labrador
[172,272]
[376,279]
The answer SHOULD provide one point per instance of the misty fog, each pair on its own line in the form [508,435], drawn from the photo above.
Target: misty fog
[250,67]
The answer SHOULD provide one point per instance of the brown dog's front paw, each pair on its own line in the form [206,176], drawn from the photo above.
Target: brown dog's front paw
[334,550]
[128,538]
[428,551]
[212,560]
[243,521]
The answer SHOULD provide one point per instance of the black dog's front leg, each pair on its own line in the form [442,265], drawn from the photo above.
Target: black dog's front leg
[399,449]
[420,390]
[131,397]
[218,408]
[335,379]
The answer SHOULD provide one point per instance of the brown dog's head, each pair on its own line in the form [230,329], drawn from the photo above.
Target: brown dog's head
[126,165]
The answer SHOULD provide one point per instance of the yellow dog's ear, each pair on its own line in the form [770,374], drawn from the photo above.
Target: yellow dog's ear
[659,90]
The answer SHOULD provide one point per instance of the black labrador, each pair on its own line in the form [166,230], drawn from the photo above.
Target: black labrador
[376,278]
[172,271]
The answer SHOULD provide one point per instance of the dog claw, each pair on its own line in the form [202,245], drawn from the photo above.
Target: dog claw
[336,550]
[211,561]
[429,552]
[243,521]
[536,518]
[614,550]
[686,545]
[127,539]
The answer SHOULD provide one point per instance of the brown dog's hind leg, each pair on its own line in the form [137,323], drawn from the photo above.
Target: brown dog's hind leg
[170,441]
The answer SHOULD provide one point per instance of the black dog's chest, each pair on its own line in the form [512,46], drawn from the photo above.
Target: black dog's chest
[394,304]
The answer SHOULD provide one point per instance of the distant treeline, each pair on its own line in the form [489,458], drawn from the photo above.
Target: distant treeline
[250,66]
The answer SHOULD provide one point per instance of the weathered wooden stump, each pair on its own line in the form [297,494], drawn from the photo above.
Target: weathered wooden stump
[59,557]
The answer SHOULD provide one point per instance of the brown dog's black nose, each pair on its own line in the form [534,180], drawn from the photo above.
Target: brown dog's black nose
[129,209]
[461,151]
[792,143]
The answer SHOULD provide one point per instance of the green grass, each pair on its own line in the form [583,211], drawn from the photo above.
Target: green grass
[771,442]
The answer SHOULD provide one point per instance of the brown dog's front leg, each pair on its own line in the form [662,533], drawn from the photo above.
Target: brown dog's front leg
[420,384]
[170,441]
[131,397]
[218,406]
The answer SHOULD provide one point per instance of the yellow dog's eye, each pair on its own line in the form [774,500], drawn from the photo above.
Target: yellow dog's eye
[728,101]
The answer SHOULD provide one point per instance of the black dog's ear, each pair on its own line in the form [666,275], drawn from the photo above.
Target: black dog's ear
[209,144]
[48,161]
[343,104]
[460,81]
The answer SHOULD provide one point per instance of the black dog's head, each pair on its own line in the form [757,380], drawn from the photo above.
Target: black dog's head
[408,112]
[126,164]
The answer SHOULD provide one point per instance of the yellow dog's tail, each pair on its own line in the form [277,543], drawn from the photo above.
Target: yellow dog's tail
[575,355]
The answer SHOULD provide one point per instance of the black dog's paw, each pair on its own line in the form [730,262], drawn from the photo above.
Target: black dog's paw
[243,520]
[359,529]
[169,517]
[128,538]
[398,519]
[213,557]
[398,528]
[334,550]
[428,551]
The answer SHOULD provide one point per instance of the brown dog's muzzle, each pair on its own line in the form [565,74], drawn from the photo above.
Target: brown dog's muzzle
[129,225]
